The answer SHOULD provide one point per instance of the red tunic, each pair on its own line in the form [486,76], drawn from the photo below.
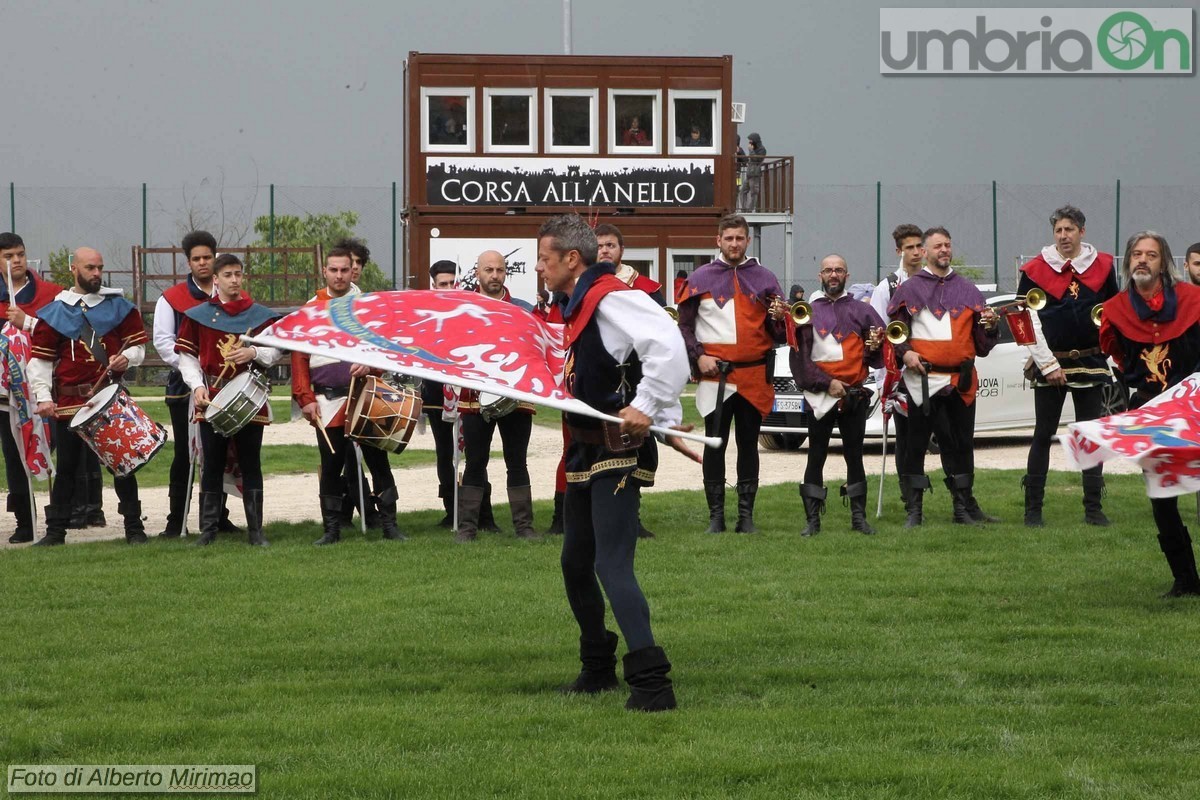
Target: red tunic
[44,293]
[211,348]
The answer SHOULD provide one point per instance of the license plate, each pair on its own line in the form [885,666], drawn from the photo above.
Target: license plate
[788,404]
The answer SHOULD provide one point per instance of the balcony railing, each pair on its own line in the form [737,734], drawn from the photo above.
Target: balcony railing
[775,190]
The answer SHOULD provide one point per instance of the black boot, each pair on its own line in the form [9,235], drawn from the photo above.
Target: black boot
[225,525]
[1093,490]
[331,519]
[79,517]
[95,503]
[470,501]
[1182,560]
[959,487]
[56,528]
[210,516]
[976,513]
[746,492]
[252,504]
[556,522]
[915,486]
[487,520]
[813,497]
[520,504]
[856,493]
[174,526]
[599,673]
[714,493]
[446,493]
[19,506]
[387,515]
[646,673]
[135,528]
[643,532]
[1035,495]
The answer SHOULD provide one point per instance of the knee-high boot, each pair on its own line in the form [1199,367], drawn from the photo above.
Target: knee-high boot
[599,672]
[135,528]
[56,527]
[856,494]
[646,673]
[19,506]
[556,522]
[1182,560]
[210,516]
[331,519]
[1035,495]
[520,503]
[387,514]
[959,487]
[813,497]
[1093,490]
[714,493]
[470,499]
[746,492]
[252,503]
[915,486]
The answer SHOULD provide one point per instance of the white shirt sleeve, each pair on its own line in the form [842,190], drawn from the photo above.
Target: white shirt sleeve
[266,355]
[633,322]
[164,333]
[41,375]
[189,367]
[135,354]
[1043,356]
[880,299]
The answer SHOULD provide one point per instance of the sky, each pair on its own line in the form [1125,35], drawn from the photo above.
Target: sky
[306,93]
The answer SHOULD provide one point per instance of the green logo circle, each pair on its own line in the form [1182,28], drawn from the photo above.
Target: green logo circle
[1125,40]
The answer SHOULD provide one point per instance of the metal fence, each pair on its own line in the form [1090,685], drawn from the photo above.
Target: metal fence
[991,223]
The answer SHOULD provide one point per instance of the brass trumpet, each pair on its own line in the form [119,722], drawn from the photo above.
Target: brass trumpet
[673,313]
[897,332]
[801,312]
[1034,300]
[1097,314]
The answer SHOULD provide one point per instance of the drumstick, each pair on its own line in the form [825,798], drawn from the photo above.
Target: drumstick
[321,428]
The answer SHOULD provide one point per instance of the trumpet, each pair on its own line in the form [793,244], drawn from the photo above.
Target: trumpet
[801,312]
[673,313]
[1097,314]
[1034,300]
[897,332]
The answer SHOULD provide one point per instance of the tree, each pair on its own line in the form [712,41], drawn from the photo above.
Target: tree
[60,266]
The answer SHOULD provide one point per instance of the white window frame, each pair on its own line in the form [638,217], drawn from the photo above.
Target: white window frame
[645,254]
[488,94]
[714,95]
[447,91]
[594,128]
[614,143]
[712,254]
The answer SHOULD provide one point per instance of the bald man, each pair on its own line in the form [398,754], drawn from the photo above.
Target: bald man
[86,339]
[479,424]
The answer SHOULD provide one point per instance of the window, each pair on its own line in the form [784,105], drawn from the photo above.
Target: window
[509,120]
[571,121]
[633,115]
[447,120]
[694,124]
[645,261]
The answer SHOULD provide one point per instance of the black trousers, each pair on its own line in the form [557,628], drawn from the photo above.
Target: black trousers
[443,445]
[1047,406]
[954,423]
[515,429]
[216,447]
[1167,518]
[735,409]
[72,455]
[601,527]
[14,469]
[180,462]
[342,455]
[851,422]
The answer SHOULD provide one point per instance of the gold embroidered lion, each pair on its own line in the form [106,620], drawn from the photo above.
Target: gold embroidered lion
[1157,361]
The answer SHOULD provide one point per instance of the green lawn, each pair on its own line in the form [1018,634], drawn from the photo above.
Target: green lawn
[993,662]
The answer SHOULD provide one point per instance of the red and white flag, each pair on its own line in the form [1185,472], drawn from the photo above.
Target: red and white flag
[1162,437]
[31,432]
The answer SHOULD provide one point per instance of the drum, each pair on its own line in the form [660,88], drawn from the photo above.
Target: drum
[492,406]
[381,415]
[119,433]
[238,402]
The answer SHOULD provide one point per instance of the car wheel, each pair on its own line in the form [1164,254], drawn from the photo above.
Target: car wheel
[794,441]
[1115,397]
[771,441]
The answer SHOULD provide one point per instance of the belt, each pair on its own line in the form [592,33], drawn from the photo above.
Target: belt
[586,435]
[1089,351]
[83,390]
[332,392]
[723,370]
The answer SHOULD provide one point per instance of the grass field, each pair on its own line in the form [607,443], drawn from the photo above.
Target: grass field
[993,662]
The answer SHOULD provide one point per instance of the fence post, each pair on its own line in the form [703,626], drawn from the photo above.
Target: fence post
[995,241]
[12,205]
[878,230]
[137,296]
[1117,234]
[394,235]
[271,240]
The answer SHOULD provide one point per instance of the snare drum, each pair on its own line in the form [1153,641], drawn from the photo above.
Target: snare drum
[492,406]
[382,415]
[119,433]
[238,402]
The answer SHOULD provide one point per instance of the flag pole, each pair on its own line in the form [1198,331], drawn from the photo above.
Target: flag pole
[362,500]
[882,470]
[457,459]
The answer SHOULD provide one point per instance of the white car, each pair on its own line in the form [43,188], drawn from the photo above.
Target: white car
[1005,399]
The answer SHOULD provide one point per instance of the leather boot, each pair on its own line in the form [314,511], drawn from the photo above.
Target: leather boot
[599,673]
[856,494]
[1035,495]
[714,493]
[252,503]
[646,673]
[487,520]
[813,496]
[520,503]
[225,525]
[210,516]
[1093,490]
[1182,560]
[135,528]
[470,500]
[56,528]
[79,516]
[746,492]
[331,519]
[174,526]
[916,486]
[959,485]
[971,505]
[446,493]
[95,502]
[19,506]
[643,531]
[556,522]
[387,515]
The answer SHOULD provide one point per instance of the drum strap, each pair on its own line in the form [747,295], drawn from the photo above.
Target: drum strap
[95,343]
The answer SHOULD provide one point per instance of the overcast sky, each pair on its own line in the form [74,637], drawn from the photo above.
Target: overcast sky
[309,93]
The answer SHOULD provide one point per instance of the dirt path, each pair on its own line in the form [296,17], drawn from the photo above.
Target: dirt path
[293,498]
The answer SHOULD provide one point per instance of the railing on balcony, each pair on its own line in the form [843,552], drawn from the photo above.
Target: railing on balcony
[775,190]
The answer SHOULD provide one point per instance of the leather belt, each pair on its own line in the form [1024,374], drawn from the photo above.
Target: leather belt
[83,390]
[332,392]
[586,435]
[1090,351]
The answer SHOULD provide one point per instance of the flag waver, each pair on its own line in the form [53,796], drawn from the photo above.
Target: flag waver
[31,433]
